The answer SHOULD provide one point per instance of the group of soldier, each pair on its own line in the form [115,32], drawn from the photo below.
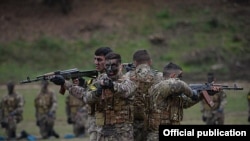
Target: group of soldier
[118,105]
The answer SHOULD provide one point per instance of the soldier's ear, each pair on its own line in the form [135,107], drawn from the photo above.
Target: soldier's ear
[172,75]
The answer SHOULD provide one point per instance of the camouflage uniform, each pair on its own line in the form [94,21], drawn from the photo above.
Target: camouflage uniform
[214,115]
[11,108]
[248,101]
[114,113]
[45,112]
[80,93]
[144,77]
[166,105]
[77,115]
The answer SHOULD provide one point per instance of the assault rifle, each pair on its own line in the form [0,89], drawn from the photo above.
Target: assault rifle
[206,90]
[67,74]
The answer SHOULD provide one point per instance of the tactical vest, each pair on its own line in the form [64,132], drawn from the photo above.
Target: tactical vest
[144,77]
[175,104]
[43,103]
[10,104]
[115,110]
[74,104]
[158,117]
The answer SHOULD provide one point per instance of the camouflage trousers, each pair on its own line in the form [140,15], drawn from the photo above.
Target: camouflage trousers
[10,127]
[139,133]
[92,128]
[214,118]
[153,136]
[46,125]
[117,132]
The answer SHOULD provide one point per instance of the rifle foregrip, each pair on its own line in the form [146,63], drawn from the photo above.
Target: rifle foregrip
[62,90]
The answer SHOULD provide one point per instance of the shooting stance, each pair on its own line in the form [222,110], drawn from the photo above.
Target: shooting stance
[214,115]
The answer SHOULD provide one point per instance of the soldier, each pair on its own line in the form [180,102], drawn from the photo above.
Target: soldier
[214,115]
[11,107]
[114,94]
[248,100]
[45,111]
[76,112]
[114,113]
[167,100]
[144,77]
[80,92]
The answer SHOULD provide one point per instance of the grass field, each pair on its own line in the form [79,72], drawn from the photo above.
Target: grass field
[235,111]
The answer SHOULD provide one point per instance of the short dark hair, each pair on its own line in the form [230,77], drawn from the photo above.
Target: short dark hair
[169,68]
[113,55]
[210,77]
[102,51]
[141,56]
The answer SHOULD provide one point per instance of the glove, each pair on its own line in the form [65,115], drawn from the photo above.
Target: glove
[99,91]
[4,124]
[195,96]
[58,80]
[50,114]
[37,123]
[204,118]
[81,82]
[220,110]
[13,113]
[69,120]
[108,84]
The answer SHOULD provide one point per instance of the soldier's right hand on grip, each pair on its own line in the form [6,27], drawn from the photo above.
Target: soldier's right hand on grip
[58,80]
[108,84]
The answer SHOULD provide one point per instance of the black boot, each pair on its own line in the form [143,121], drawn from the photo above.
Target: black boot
[55,134]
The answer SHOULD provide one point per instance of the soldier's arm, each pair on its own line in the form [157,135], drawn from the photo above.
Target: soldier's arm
[54,103]
[20,105]
[125,88]
[76,91]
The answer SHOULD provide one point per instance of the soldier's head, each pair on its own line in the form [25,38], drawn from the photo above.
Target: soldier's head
[172,70]
[141,57]
[113,65]
[11,87]
[210,77]
[99,58]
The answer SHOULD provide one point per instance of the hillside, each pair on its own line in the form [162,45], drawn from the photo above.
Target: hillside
[194,32]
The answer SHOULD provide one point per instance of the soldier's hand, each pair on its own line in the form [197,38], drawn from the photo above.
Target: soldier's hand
[13,113]
[50,114]
[204,118]
[107,84]
[69,120]
[195,95]
[220,110]
[37,123]
[58,80]
[99,91]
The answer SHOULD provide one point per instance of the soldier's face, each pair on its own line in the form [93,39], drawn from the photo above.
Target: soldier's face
[99,63]
[112,67]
